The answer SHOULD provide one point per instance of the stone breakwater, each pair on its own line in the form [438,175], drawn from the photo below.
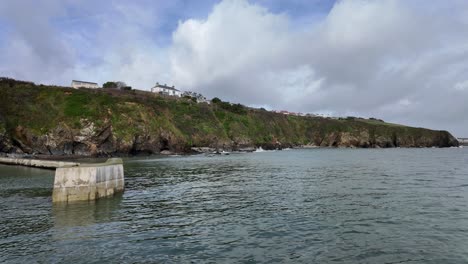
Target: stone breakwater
[88,182]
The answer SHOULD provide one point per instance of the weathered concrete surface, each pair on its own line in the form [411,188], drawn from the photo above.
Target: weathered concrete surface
[88,182]
[46,164]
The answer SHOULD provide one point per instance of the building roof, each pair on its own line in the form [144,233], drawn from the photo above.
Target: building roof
[83,82]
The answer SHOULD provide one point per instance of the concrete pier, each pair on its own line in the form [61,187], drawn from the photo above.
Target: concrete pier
[44,164]
[87,182]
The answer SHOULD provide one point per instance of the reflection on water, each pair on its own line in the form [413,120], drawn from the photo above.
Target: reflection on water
[85,213]
[298,206]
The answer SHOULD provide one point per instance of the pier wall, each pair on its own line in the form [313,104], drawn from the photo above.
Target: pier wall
[88,182]
[44,164]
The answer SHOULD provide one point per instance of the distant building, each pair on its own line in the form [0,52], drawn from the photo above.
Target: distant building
[166,90]
[284,112]
[80,84]
[199,97]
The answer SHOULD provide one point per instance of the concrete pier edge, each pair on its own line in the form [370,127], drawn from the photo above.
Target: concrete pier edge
[88,182]
[43,164]
[79,181]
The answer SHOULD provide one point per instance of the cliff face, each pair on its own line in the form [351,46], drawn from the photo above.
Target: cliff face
[63,121]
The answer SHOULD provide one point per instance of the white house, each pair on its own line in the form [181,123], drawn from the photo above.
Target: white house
[80,84]
[199,97]
[166,90]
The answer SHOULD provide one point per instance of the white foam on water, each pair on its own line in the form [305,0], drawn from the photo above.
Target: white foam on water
[259,149]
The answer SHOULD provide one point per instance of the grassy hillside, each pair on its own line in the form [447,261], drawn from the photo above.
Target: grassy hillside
[59,120]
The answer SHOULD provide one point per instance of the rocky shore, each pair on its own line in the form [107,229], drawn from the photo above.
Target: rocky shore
[89,141]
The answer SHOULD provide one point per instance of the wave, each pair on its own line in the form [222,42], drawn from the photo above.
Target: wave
[259,149]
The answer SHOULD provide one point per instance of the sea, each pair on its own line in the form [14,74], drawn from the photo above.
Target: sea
[290,206]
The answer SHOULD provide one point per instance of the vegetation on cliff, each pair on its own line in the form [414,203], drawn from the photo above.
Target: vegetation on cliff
[58,120]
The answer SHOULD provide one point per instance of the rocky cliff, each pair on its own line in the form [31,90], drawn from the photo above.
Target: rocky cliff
[37,119]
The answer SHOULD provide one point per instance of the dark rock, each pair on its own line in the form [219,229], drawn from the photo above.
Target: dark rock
[81,149]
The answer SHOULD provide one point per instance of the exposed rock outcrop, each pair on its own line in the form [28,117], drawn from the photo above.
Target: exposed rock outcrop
[101,141]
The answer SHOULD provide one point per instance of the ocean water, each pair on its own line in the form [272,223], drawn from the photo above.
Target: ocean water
[295,206]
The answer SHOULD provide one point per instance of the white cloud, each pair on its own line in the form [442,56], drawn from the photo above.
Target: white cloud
[45,47]
[461,86]
[390,59]
[33,48]
[236,39]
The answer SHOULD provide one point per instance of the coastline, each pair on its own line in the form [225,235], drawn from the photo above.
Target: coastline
[194,151]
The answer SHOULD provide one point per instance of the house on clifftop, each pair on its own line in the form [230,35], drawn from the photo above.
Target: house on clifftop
[166,90]
[197,96]
[81,84]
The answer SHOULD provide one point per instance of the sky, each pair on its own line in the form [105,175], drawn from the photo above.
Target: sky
[403,61]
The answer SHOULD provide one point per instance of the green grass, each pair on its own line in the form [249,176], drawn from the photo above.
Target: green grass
[378,123]
[76,105]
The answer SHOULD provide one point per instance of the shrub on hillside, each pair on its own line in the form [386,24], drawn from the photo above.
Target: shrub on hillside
[109,85]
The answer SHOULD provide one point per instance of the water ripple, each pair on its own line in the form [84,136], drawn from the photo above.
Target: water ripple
[307,206]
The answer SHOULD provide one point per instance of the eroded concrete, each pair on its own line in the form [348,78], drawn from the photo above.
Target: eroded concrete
[88,182]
